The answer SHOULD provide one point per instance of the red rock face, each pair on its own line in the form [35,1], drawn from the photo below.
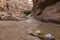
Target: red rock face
[39,6]
[46,10]
[51,13]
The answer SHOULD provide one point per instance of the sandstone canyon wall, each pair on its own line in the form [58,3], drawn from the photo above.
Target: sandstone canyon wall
[46,10]
[16,7]
[13,8]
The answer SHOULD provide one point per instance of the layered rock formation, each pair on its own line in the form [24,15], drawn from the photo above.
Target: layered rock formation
[13,8]
[46,10]
[16,7]
[51,13]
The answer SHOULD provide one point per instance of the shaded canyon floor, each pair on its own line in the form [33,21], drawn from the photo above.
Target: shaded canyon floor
[17,30]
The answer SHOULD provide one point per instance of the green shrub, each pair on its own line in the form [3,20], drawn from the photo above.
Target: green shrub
[27,12]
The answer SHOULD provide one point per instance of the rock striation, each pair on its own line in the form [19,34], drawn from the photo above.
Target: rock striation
[46,10]
[14,8]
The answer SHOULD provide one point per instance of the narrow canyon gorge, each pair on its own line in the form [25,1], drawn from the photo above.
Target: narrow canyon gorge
[29,19]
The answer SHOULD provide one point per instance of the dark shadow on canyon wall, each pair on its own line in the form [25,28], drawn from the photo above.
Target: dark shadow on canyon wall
[41,10]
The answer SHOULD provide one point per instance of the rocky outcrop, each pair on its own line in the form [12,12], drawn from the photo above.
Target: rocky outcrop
[14,8]
[40,5]
[46,10]
[2,5]
[51,13]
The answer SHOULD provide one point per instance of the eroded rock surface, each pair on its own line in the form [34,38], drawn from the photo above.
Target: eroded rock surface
[14,7]
[51,13]
[46,10]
